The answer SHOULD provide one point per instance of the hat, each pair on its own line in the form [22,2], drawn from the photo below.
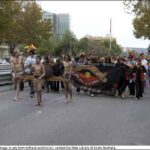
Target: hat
[30,48]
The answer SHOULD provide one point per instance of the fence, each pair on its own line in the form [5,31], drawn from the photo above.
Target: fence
[5,74]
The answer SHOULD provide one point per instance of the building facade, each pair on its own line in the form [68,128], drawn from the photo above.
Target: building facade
[63,24]
[60,23]
[53,18]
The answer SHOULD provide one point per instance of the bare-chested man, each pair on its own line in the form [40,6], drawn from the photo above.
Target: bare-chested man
[67,78]
[38,74]
[18,71]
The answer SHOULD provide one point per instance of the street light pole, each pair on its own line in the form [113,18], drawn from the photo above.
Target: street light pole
[110,37]
[70,48]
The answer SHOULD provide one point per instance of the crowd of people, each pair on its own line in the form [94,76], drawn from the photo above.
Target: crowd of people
[135,73]
[41,70]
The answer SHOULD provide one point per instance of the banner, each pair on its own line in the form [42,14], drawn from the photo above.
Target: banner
[98,78]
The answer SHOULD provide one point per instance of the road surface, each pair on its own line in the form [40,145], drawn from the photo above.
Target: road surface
[99,120]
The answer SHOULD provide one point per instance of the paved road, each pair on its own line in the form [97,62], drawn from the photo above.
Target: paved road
[86,121]
[4,88]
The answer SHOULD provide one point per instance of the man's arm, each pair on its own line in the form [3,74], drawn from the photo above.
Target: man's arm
[22,63]
[43,70]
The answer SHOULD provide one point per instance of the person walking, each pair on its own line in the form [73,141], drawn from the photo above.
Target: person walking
[18,71]
[124,76]
[38,74]
[139,77]
[144,62]
[30,61]
[67,78]
[48,73]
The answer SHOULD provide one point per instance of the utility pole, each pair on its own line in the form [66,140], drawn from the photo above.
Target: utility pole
[70,49]
[110,36]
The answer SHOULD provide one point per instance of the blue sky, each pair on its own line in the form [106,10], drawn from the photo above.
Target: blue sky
[93,18]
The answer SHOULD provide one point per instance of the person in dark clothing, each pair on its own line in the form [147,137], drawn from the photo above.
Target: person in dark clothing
[139,77]
[131,84]
[48,73]
[58,70]
[51,63]
[124,76]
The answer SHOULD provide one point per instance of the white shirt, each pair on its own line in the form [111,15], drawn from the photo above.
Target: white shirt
[145,63]
[30,61]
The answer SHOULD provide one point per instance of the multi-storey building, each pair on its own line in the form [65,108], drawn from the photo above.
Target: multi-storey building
[60,23]
[63,24]
[53,18]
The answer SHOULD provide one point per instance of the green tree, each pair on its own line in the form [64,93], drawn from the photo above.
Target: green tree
[141,22]
[90,46]
[96,47]
[22,24]
[115,48]
[99,47]
[83,44]
[9,15]
[67,44]
[47,47]
[34,29]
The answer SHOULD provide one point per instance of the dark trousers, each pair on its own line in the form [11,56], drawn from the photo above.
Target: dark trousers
[122,86]
[31,87]
[47,85]
[131,88]
[78,89]
[56,86]
[21,85]
[139,90]
[62,85]
[51,86]
[143,85]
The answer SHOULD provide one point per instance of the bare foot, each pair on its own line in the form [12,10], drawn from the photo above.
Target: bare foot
[16,99]
[66,101]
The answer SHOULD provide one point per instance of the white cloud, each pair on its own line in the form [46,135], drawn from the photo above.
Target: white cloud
[93,17]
